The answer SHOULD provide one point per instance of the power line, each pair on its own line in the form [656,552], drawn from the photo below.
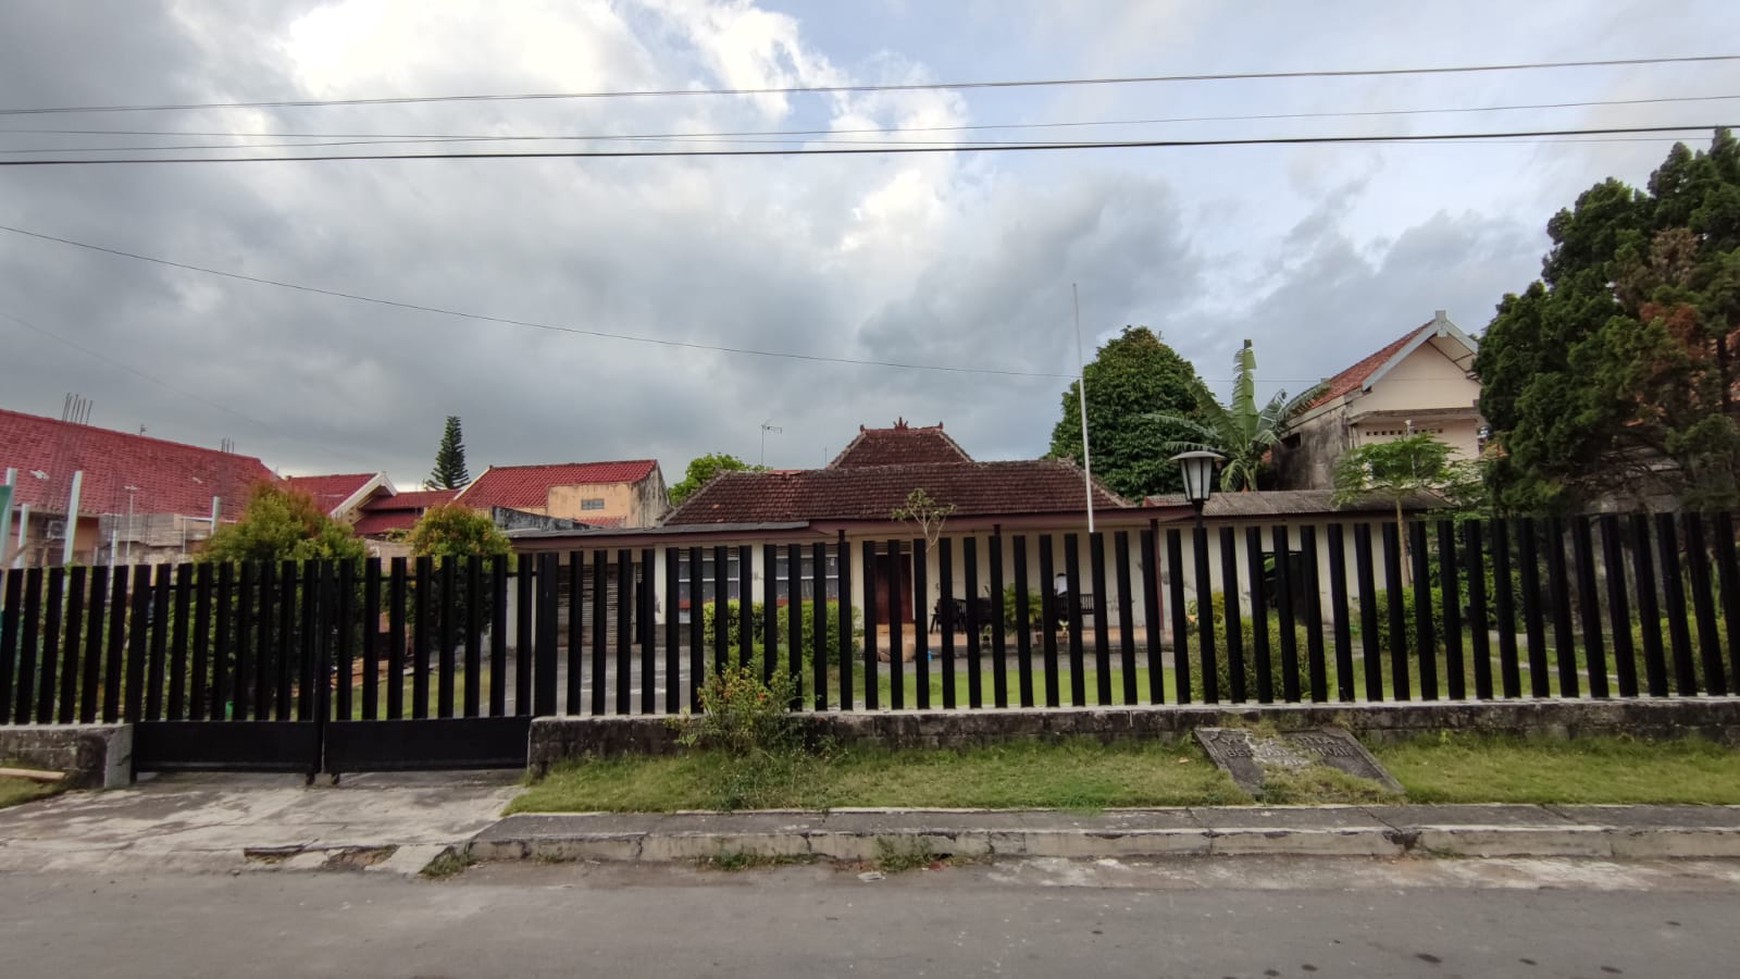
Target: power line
[531,324]
[855,89]
[888,149]
[872,130]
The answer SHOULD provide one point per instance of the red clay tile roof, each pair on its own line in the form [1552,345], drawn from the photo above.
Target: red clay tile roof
[1352,379]
[520,487]
[899,446]
[329,491]
[615,521]
[413,500]
[873,492]
[170,477]
[375,523]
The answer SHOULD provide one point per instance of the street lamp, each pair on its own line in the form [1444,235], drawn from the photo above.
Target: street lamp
[1198,468]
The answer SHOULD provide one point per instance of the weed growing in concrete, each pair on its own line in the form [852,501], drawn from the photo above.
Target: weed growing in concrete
[896,855]
[732,861]
[451,863]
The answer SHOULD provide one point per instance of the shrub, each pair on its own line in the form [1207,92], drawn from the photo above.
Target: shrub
[1381,603]
[1223,662]
[1667,653]
[734,626]
[741,715]
[1012,615]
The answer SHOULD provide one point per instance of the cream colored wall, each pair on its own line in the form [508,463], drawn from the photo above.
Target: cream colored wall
[564,501]
[1425,380]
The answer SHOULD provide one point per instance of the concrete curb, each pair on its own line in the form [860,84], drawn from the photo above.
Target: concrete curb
[1651,832]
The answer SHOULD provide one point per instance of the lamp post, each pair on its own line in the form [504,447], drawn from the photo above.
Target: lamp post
[1198,468]
[130,491]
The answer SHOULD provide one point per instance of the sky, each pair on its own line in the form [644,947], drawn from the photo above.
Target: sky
[960,260]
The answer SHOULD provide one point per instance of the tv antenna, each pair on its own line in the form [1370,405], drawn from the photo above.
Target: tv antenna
[765,428]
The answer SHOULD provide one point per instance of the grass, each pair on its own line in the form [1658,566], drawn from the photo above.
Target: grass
[1485,768]
[408,685]
[14,791]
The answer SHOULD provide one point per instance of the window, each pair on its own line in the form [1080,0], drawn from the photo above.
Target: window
[592,503]
[807,581]
[686,600]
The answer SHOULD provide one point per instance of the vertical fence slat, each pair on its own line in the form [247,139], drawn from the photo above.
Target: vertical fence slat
[423,625]
[260,670]
[1072,585]
[288,583]
[1126,619]
[61,651]
[1024,623]
[1235,639]
[445,683]
[178,642]
[1000,612]
[1449,578]
[1400,688]
[1479,635]
[1313,593]
[1149,544]
[1618,610]
[1278,536]
[241,678]
[871,692]
[1260,654]
[1559,593]
[975,627]
[769,611]
[345,655]
[673,633]
[66,709]
[498,628]
[697,627]
[370,620]
[624,662]
[331,623]
[133,703]
[47,648]
[160,595]
[1180,621]
[794,621]
[91,681]
[1504,602]
[1534,621]
[1425,639]
[1674,605]
[945,613]
[601,624]
[896,643]
[1703,605]
[11,624]
[1203,584]
[1371,654]
[1589,606]
[313,644]
[474,604]
[843,622]
[1648,611]
[1101,605]
[398,600]
[1728,563]
[203,652]
[1338,611]
[920,632]
[525,632]
[646,630]
[745,604]
[546,635]
[1049,610]
[721,610]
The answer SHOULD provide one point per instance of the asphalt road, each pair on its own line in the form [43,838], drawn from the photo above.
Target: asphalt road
[1212,918]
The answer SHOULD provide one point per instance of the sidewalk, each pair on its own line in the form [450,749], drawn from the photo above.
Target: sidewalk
[1608,832]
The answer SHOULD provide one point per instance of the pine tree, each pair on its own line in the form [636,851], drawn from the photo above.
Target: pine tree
[449,471]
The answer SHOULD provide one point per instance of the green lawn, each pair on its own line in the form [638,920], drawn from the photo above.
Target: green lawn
[1089,775]
[408,685]
[16,790]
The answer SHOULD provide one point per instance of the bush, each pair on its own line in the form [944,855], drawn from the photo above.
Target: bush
[1012,615]
[1223,662]
[741,715]
[1667,653]
[1381,603]
[807,609]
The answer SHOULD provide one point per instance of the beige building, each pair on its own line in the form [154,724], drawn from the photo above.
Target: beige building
[597,494]
[1422,382]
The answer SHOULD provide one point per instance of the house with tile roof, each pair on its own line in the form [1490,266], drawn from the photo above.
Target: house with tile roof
[343,496]
[628,493]
[140,498]
[1420,382]
[389,514]
[852,500]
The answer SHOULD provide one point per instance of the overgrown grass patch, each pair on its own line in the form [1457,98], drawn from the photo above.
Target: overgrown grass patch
[1489,768]
[1068,775]
[14,791]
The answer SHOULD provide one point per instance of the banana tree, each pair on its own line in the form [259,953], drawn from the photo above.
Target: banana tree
[1238,430]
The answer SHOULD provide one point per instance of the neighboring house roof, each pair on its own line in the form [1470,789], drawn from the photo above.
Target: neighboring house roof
[1285,503]
[168,477]
[338,494]
[1371,369]
[385,514]
[874,492]
[899,446]
[519,487]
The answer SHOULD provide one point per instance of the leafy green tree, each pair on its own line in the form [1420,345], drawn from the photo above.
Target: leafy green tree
[1132,382]
[701,471]
[281,524]
[449,471]
[1616,370]
[1239,430]
[1403,469]
[450,530]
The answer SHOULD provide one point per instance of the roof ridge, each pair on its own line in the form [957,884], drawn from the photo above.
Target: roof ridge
[131,435]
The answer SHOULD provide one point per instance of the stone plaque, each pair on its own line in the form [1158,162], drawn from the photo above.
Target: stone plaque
[1247,755]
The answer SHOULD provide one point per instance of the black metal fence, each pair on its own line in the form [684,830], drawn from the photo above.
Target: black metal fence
[1578,607]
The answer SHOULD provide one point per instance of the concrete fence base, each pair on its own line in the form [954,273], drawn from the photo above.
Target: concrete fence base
[91,755]
[554,739]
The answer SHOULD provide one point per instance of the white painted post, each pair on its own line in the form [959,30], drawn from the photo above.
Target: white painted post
[72,518]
